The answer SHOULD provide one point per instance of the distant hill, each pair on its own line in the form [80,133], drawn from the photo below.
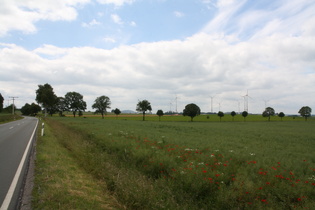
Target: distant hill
[128,112]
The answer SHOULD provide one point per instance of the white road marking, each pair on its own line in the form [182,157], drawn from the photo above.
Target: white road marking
[9,195]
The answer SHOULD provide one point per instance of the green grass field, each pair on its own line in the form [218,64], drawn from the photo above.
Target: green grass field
[206,164]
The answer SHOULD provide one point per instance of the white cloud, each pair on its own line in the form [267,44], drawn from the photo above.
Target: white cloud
[133,23]
[116,19]
[90,24]
[275,62]
[116,2]
[179,14]
[21,15]
[278,68]
[109,39]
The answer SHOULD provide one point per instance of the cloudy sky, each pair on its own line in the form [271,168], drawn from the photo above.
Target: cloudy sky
[170,52]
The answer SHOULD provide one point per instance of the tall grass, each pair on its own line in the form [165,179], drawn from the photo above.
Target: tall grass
[200,165]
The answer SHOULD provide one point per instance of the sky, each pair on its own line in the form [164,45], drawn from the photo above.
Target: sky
[169,52]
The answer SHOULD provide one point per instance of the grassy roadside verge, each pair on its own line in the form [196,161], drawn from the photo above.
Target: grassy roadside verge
[4,118]
[60,182]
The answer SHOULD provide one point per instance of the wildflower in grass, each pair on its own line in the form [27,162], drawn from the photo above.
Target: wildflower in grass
[252,154]
[264,200]
[204,171]
[217,175]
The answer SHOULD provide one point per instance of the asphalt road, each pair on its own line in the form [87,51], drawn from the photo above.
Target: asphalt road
[15,141]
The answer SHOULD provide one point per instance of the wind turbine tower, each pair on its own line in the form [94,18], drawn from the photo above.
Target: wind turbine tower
[212,103]
[176,103]
[246,101]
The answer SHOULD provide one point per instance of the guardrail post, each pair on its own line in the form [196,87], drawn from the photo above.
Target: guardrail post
[43,125]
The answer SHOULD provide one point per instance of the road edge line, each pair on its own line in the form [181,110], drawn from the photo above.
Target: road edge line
[8,197]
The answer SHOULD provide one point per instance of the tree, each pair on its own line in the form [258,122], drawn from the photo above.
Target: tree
[74,102]
[61,105]
[160,114]
[233,113]
[244,114]
[46,97]
[117,112]
[191,110]
[305,112]
[9,109]
[30,110]
[220,114]
[281,114]
[101,104]
[269,111]
[143,106]
[1,102]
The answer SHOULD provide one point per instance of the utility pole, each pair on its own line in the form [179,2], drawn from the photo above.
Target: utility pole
[13,97]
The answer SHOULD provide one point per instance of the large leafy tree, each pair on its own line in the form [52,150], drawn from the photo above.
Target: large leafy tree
[191,110]
[46,97]
[1,102]
[160,113]
[305,112]
[144,106]
[269,111]
[74,102]
[101,104]
[30,109]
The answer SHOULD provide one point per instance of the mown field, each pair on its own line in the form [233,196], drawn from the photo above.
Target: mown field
[186,165]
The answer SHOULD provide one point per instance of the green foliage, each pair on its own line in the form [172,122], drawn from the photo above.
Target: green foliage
[74,102]
[117,112]
[233,113]
[281,115]
[220,114]
[191,110]
[269,111]
[46,97]
[244,114]
[305,112]
[160,113]
[30,109]
[144,106]
[101,104]
[61,106]
[1,102]
[9,109]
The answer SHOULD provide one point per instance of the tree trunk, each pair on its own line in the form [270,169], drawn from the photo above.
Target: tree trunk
[143,116]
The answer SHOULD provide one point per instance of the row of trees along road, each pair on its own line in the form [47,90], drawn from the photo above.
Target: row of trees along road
[74,103]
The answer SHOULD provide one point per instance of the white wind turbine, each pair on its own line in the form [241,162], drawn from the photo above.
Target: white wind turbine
[212,102]
[246,101]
